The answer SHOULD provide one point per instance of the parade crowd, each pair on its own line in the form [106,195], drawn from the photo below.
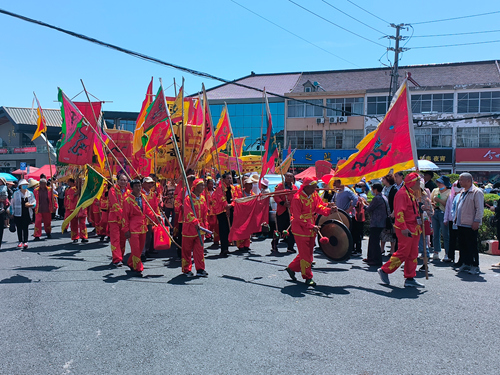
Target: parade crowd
[413,214]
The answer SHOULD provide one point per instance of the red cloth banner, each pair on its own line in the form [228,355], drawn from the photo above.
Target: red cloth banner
[86,110]
[79,149]
[248,218]
[123,140]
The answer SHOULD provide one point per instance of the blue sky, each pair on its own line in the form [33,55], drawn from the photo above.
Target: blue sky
[217,37]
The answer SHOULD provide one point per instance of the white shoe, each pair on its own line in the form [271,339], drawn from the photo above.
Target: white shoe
[445,259]
[474,270]
[435,256]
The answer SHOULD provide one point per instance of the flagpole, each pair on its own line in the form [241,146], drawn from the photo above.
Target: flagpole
[183,128]
[205,99]
[235,151]
[181,165]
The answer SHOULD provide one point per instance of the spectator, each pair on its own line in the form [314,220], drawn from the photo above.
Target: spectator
[359,217]
[467,219]
[429,184]
[378,210]
[439,198]
[390,190]
[398,179]
[345,199]
[448,220]
[4,205]
[23,202]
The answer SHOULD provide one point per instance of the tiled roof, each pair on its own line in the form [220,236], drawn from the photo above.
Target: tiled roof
[378,79]
[278,83]
[28,116]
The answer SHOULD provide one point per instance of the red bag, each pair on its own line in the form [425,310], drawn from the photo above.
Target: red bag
[161,239]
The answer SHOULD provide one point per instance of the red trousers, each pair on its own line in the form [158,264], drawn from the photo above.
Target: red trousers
[191,247]
[303,260]
[407,253]
[137,242]
[213,225]
[102,228]
[243,243]
[78,228]
[46,218]
[117,242]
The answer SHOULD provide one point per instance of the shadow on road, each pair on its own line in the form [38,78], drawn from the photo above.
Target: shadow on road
[38,268]
[18,279]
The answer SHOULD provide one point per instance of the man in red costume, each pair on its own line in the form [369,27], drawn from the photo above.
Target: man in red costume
[78,227]
[408,229]
[305,204]
[104,206]
[284,202]
[213,225]
[135,214]
[153,199]
[116,196]
[45,206]
[191,245]
[223,196]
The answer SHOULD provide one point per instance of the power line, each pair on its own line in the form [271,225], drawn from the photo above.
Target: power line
[455,34]
[333,23]
[456,45]
[171,65]
[298,36]
[364,10]
[456,18]
[355,19]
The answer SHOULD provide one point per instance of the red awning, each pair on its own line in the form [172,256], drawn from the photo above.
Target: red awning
[18,171]
[43,170]
[309,172]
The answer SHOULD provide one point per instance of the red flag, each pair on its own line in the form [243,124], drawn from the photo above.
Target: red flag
[223,132]
[239,143]
[248,218]
[158,137]
[79,149]
[271,152]
[86,110]
[390,146]
[208,138]
[142,164]
[157,111]
[139,125]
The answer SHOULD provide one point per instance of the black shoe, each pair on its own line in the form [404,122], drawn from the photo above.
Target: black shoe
[36,239]
[224,253]
[101,239]
[291,251]
[310,282]
[291,273]
[75,241]
[49,236]
[84,240]
[117,264]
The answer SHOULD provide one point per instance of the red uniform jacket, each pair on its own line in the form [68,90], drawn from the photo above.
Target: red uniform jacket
[281,209]
[219,197]
[406,211]
[180,195]
[116,199]
[70,199]
[200,206]
[153,199]
[104,202]
[134,217]
[209,199]
[303,209]
[52,200]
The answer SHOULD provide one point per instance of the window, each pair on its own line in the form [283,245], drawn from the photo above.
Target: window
[307,89]
[433,137]
[476,102]
[301,109]
[486,136]
[344,107]
[343,139]
[309,139]
[26,141]
[440,103]
[127,125]
[377,105]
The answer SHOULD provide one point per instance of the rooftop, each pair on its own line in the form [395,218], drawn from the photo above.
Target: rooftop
[28,116]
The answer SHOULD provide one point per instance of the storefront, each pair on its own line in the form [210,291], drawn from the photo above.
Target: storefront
[482,163]
[307,158]
[442,157]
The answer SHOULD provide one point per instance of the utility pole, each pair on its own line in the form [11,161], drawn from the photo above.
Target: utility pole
[397,50]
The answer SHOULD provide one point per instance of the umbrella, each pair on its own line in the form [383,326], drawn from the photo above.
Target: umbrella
[18,171]
[426,165]
[43,170]
[8,177]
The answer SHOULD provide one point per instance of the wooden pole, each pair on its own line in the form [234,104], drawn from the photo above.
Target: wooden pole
[183,127]
[181,166]
[234,148]
[205,102]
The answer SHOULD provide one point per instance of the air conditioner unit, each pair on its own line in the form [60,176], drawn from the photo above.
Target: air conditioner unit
[342,118]
[320,120]
[334,120]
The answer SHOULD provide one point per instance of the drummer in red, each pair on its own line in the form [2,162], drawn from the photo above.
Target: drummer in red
[191,245]
[408,229]
[305,204]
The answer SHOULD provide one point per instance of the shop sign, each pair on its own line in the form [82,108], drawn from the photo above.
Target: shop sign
[311,156]
[24,150]
[437,156]
[477,155]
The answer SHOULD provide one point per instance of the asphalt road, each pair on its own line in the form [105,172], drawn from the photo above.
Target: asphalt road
[65,311]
